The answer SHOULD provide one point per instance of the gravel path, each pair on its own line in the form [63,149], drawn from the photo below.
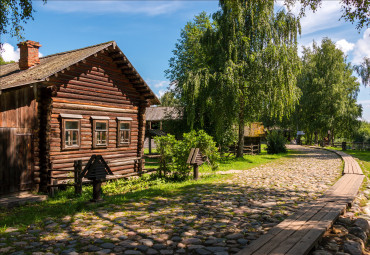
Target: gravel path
[219,218]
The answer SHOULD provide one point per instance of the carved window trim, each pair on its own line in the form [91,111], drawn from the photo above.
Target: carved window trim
[67,133]
[98,134]
[121,131]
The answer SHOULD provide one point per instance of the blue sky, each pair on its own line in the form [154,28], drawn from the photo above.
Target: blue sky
[146,31]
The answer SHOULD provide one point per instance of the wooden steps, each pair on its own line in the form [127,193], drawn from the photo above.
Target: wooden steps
[301,231]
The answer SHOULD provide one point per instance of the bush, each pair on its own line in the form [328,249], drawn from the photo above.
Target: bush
[276,143]
[174,153]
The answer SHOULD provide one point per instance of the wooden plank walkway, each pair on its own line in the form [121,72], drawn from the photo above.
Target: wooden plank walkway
[300,232]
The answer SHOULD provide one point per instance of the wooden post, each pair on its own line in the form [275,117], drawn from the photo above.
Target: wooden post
[196,171]
[252,148]
[78,178]
[96,190]
[259,147]
[150,144]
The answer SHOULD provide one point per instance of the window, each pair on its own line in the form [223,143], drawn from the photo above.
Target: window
[71,127]
[100,128]
[124,131]
[72,132]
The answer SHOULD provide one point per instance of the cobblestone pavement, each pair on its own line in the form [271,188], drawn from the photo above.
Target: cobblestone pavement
[219,218]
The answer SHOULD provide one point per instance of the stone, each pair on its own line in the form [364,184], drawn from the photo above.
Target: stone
[147,242]
[363,224]
[92,248]
[332,246]
[132,252]
[142,247]
[202,251]
[159,246]
[70,251]
[216,249]
[321,252]
[243,241]
[357,231]
[151,251]
[122,237]
[195,246]
[104,251]
[352,247]
[166,252]
[180,251]
[190,241]
[234,236]
[107,245]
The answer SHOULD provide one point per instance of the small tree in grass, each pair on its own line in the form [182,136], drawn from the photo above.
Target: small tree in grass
[174,153]
[276,143]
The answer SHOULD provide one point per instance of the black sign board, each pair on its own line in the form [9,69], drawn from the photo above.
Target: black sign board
[96,168]
[195,159]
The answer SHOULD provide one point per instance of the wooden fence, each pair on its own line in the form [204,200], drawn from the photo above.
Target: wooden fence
[75,173]
[251,149]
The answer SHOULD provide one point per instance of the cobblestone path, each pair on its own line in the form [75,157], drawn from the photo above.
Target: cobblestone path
[219,218]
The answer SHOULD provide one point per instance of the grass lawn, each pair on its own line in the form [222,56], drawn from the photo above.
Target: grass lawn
[118,192]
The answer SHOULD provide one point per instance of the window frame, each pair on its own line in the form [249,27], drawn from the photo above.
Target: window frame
[95,133]
[64,145]
[123,120]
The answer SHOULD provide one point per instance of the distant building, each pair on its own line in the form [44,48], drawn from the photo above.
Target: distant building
[156,117]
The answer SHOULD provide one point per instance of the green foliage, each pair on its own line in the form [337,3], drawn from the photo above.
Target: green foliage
[13,14]
[354,11]
[276,143]
[165,147]
[364,71]
[363,133]
[329,93]
[174,153]
[236,68]
[169,99]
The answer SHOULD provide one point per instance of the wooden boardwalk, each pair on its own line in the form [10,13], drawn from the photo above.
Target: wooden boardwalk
[300,232]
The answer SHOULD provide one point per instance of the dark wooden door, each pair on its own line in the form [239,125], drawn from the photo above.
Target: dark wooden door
[15,160]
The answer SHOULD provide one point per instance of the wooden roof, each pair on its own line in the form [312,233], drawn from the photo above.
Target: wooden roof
[163,113]
[11,76]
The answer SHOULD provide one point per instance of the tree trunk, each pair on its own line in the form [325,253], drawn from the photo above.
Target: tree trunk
[241,128]
[316,137]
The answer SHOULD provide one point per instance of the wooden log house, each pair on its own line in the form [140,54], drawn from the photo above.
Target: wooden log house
[69,106]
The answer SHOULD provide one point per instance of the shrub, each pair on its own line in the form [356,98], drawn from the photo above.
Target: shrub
[165,146]
[276,143]
[174,153]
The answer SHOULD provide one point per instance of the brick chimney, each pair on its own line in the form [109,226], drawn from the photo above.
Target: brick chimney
[29,54]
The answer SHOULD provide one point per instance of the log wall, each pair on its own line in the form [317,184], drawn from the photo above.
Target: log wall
[94,88]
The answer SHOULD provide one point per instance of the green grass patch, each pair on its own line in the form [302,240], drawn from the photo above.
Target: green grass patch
[118,192]
[247,162]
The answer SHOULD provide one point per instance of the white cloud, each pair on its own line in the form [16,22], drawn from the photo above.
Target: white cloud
[158,84]
[344,45]
[9,53]
[151,8]
[161,92]
[362,48]
[325,17]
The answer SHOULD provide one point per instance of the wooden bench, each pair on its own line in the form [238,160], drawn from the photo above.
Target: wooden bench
[299,233]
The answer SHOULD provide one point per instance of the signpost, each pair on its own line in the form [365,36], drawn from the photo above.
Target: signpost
[96,170]
[195,159]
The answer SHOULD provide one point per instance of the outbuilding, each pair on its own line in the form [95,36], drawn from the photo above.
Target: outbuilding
[68,106]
